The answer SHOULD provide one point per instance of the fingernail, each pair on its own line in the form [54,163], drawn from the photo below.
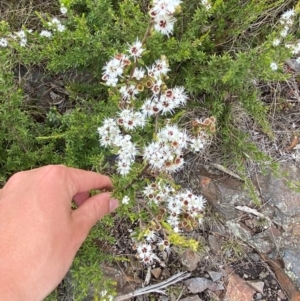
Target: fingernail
[113,204]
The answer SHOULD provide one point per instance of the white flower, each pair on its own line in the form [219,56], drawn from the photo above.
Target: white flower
[286,17]
[206,4]
[107,297]
[151,236]
[135,50]
[23,42]
[55,24]
[163,7]
[125,200]
[197,144]
[3,42]
[294,48]
[128,92]
[164,24]
[139,119]
[276,42]
[274,66]
[176,229]
[111,81]
[284,32]
[46,34]
[147,107]
[113,68]
[124,167]
[61,27]
[54,21]
[164,245]
[63,10]
[21,34]
[160,67]
[138,73]
[298,60]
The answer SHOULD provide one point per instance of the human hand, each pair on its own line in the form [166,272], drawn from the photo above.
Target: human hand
[40,233]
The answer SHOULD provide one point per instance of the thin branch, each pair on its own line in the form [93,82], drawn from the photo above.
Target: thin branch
[155,287]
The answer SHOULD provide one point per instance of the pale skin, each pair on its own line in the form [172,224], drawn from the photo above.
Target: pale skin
[40,233]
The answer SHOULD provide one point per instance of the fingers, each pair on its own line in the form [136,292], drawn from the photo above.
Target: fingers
[80,197]
[82,181]
[73,179]
[93,209]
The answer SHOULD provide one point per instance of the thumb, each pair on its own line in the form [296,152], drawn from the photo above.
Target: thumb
[92,210]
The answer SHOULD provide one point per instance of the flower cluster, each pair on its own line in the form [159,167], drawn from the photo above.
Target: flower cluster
[295,48]
[3,42]
[145,253]
[286,22]
[114,68]
[63,9]
[125,200]
[164,102]
[105,296]
[206,4]
[162,14]
[56,25]
[110,135]
[21,36]
[158,192]
[184,208]
[166,154]
[274,66]
[202,127]
[145,250]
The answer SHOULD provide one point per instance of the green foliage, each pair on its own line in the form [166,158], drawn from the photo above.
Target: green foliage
[216,54]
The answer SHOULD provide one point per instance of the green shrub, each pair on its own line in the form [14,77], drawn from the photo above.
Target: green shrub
[217,54]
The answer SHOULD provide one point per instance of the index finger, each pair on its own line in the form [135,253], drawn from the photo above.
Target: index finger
[82,181]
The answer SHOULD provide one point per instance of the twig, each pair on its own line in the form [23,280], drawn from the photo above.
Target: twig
[254,212]
[226,170]
[155,287]
[148,276]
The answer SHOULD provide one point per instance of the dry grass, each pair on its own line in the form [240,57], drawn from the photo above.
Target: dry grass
[22,13]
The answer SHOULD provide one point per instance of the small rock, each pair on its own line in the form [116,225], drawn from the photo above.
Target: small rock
[215,276]
[166,273]
[281,295]
[249,223]
[296,230]
[215,287]
[263,242]
[258,296]
[238,231]
[238,289]
[156,272]
[197,285]
[257,285]
[189,260]
[292,263]
[220,287]
[191,298]
[254,256]
[277,190]
[213,243]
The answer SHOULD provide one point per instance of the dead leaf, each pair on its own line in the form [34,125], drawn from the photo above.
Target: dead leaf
[293,143]
[284,280]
